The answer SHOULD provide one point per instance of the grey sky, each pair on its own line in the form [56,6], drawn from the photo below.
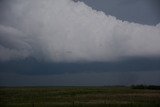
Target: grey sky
[139,11]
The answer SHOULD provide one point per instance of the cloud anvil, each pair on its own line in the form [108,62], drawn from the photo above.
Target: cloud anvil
[64,31]
[68,38]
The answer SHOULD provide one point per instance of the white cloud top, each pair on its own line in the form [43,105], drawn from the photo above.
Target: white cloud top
[65,31]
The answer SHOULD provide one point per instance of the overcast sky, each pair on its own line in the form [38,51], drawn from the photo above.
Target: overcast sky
[139,11]
[90,42]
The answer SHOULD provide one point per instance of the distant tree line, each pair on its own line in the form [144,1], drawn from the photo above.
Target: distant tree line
[151,87]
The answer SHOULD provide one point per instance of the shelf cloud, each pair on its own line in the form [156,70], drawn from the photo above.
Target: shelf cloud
[67,31]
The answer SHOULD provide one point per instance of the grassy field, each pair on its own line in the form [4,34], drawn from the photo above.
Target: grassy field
[78,97]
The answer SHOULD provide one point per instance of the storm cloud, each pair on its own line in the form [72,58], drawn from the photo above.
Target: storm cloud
[67,31]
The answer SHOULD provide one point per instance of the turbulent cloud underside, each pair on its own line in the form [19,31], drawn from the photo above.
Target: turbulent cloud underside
[65,31]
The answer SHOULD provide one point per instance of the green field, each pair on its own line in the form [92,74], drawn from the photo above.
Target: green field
[78,97]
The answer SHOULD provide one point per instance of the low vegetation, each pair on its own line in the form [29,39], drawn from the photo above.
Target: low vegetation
[78,97]
[150,87]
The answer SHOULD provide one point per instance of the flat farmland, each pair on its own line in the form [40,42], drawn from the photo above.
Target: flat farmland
[78,97]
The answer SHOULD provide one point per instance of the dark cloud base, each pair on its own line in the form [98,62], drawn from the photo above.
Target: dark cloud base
[31,66]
